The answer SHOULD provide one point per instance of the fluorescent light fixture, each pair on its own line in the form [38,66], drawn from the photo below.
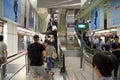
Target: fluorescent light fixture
[25,30]
[63,2]
[106,31]
[57,11]
[70,14]
[76,4]
[113,30]
[33,0]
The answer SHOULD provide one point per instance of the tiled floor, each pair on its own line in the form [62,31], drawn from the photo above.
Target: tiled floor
[74,71]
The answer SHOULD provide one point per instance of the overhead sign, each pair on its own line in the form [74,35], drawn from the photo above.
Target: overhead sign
[81,26]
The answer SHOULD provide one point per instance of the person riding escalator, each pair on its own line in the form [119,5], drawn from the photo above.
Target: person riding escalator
[86,39]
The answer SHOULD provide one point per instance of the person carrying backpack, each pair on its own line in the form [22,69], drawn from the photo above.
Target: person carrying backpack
[36,53]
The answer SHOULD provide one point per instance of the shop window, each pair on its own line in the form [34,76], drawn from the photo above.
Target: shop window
[20,41]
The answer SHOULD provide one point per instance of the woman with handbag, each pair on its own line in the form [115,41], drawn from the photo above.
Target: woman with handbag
[51,55]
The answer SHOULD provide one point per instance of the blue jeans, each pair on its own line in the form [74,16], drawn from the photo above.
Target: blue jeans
[50,62]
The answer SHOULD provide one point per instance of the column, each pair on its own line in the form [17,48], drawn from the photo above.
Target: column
[62,23]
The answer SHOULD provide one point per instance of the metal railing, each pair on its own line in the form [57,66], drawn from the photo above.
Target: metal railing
[14,57]
[61,56]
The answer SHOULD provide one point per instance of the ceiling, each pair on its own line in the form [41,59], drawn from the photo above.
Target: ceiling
[72,4]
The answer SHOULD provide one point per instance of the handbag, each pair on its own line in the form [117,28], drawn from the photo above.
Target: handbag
[54,55]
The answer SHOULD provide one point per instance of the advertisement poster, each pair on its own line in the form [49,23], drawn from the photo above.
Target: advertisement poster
[31,17]
[116,13]
[12,10]
[95,19]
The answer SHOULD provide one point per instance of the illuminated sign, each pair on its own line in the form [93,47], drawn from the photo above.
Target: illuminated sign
[81,26]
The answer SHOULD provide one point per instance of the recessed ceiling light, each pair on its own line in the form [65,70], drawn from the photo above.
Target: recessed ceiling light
[57,11]
[33,0]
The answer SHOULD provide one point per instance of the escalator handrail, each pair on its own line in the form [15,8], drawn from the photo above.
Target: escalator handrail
[15,54]
[85,45]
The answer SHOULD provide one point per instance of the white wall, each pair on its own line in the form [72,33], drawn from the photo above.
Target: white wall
[34,3]
[10,37]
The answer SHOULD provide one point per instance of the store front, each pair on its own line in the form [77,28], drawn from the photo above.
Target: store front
[107,34]
[24,38]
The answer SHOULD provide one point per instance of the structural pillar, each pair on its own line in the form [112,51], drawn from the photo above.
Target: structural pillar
[62,23]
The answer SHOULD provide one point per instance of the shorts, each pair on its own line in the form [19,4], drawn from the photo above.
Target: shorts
[37,71]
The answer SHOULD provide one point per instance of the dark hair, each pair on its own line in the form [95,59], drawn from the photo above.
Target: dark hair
[48,42]
[116,37]
[100,40]
[1,37]
[36,37]
[106,40]
[104,63]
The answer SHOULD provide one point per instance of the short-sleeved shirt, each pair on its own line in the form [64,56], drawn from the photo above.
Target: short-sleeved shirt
[50,50]
[114,46]
[99,45]
[35,54]
[3,47]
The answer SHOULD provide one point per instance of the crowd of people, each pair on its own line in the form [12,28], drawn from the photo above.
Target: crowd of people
[97,43]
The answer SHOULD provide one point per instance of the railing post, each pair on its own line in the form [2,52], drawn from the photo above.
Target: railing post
[81,56]
[63,69]
[93,74]
[0,73]
[27,64]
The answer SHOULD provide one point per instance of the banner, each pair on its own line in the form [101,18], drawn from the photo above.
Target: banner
[95,19]
[12,10]
[116,13]
[31,17]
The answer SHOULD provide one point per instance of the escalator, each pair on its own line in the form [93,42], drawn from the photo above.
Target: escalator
[86,51]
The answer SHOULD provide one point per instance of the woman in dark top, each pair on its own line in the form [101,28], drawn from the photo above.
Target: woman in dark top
[106,46]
